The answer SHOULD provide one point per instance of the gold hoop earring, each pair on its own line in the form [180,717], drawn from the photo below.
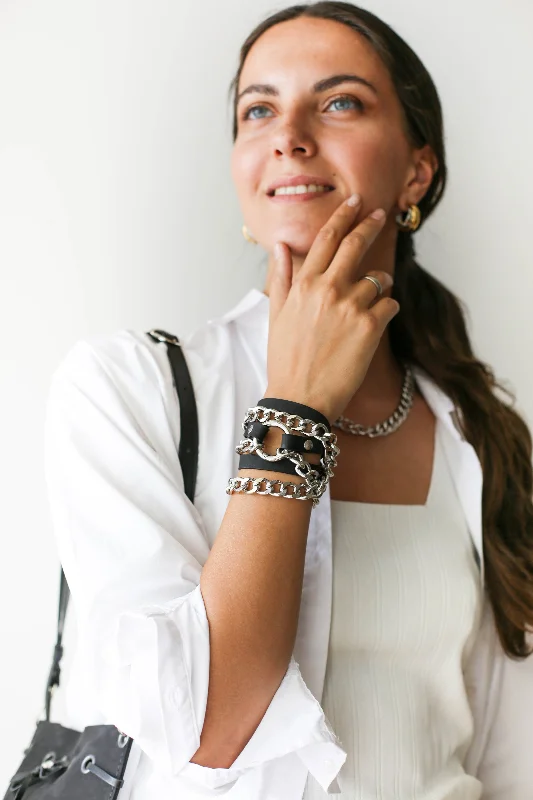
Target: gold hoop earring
[247,235]
[412,219]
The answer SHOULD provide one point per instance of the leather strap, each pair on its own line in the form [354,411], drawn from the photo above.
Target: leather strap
[290,441]
[188,456]
[302,444]
[253,461]
[292,407]
[189,439]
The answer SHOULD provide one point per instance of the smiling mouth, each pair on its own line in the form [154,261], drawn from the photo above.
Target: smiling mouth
[289,192]
[299,197]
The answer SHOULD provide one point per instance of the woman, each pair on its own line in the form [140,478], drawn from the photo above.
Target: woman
[372,642]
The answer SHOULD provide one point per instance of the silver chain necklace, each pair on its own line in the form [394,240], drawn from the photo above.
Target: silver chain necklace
[393,422]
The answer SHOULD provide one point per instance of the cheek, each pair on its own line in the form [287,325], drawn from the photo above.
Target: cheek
[375,164]
[246,169]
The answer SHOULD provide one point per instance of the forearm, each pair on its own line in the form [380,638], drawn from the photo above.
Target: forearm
[251,585]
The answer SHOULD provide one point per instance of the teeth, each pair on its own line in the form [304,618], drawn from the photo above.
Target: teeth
[301,189]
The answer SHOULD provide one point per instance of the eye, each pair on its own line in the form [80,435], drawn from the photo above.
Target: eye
[343,97]
[246,114]
[350,99]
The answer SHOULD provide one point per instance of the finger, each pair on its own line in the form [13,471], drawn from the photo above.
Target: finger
[345,268]
[365,292]
[383,311]
[328,238]
[280,279]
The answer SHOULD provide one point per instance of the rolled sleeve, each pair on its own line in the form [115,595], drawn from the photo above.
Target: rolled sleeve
[160,694]
[132,551]
[165,651]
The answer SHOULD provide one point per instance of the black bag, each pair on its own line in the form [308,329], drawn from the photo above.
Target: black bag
[65,764]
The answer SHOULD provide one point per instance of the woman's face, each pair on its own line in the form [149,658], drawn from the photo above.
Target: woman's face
[347,133]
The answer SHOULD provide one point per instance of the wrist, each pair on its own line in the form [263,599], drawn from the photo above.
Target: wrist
[297,396]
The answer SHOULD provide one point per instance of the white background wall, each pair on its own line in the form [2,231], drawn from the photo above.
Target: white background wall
[117,210]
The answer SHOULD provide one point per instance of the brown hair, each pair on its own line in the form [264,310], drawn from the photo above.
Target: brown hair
[430,330]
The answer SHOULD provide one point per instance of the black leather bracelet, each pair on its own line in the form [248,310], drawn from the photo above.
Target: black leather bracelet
[289,441]
[253,461]
[302,444]
[292,407]
[257,430]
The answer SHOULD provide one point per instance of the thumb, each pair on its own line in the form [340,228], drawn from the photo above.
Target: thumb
[281,279]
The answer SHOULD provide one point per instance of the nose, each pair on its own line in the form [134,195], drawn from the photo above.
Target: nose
[293,138]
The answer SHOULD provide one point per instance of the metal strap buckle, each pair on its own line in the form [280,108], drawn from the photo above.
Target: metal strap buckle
[163,336]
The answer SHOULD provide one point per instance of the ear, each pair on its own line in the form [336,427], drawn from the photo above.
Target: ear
[419,176]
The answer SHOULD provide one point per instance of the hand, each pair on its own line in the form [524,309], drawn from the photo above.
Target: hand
[325,325]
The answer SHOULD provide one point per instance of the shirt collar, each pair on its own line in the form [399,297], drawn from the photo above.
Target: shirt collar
[254,297]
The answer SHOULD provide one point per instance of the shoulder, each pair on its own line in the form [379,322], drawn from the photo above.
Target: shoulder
[123,379]
[131,359]
[116,384]
[121,372]
[122,355]
[126,374]
[129,356]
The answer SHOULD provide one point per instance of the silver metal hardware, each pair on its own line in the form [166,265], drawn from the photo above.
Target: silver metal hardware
[51,763]
[393,422]
[241,484]
[302,467]
[316,476]
[170,339]
[48,761]
[89,765]
[375,281]
[87,761]
[123,739]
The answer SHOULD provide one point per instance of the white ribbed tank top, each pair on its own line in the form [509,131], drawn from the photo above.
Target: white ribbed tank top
[406,609]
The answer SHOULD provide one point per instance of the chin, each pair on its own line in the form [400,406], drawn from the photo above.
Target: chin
[298,246]
[299,241]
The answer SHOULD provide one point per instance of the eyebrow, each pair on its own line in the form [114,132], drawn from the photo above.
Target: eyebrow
[320,86]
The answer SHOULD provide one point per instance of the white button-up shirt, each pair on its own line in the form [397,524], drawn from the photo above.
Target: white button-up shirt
[132,546]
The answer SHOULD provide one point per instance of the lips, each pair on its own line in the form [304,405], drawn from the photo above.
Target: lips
[297,180]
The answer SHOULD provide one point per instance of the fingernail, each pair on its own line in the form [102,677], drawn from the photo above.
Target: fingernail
[353,199]
[278,250]
[379,213]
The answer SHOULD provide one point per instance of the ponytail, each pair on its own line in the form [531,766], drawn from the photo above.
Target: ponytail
[430,330]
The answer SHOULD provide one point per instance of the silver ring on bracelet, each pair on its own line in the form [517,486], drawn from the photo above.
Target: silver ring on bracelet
[375,281]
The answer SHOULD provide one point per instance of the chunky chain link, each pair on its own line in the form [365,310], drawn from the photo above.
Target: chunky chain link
[303,468]
[241,484]
[296,424]
[393,422]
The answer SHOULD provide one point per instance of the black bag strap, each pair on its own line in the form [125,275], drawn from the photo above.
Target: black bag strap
[188,456]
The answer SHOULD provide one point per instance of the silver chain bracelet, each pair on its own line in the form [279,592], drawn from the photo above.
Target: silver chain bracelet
[240,484]
[303,468]
[295,424]
[316,479]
